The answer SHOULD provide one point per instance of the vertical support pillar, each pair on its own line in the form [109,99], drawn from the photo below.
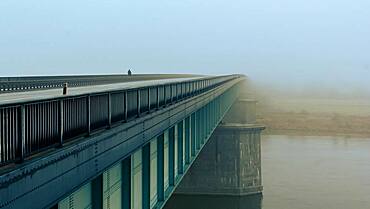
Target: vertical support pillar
[97,192]
[206,120]
[198,129]
[146,176]
[54,206]
[180,156]
[193,135]
[205,109]
[202,129]
[233,153]
[212,114]
[215,111]
[187,140]
[218,113]
[126,183]
[160,168]
[137,179]
[209,117]
[203,125]
[171,160]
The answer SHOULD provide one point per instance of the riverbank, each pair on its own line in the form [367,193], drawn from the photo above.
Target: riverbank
[315,124]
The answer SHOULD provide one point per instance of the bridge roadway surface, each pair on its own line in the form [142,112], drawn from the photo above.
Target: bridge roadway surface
[29,96]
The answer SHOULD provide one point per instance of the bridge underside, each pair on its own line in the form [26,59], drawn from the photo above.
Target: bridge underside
[134,165]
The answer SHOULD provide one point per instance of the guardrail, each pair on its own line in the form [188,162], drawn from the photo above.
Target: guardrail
[31,127]
[17,84]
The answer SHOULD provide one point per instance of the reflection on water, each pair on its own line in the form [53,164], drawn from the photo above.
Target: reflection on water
[302,173]
[214,202]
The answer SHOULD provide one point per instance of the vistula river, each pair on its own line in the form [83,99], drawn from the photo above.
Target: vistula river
[301,173]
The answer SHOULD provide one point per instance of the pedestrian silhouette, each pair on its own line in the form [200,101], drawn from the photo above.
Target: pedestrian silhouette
[65,87]
[129,72]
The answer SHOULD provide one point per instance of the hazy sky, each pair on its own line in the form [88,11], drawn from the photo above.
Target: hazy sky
[319,42]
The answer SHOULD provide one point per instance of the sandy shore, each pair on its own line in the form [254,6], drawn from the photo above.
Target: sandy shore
[315,124]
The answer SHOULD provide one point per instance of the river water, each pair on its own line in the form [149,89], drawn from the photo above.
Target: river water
[301,173]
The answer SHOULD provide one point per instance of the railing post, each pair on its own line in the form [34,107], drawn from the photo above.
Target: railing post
[61,122]
[148,99]
[125,106]
[22,133]
[109,110]
[138,103]
[158,97]
[171,92]
[88,114]
[164,96]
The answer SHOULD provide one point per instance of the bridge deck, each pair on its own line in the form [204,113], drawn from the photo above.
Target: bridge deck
[22,84]
[20,97]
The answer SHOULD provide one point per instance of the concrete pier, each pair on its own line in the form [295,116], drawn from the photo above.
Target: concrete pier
[230,163]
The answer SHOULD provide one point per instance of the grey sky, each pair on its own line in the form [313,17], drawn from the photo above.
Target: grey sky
[286,42]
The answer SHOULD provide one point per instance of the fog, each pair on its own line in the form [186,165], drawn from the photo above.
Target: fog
[304,91]
[295,45]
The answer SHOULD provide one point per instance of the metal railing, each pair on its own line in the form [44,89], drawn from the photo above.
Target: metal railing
[18,84]
[31,127]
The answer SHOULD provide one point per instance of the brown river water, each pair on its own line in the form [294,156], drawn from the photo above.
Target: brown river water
[301,172]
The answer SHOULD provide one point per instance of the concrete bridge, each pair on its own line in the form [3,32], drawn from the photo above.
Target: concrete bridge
[126,144]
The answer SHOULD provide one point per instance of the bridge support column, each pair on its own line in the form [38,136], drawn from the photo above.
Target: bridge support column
[230,163]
